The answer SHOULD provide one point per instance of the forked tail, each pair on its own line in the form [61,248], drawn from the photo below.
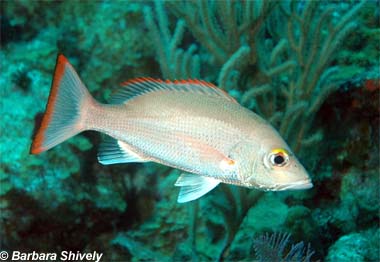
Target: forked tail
[66,109]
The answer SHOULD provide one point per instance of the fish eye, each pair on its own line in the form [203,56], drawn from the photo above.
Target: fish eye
[278,157]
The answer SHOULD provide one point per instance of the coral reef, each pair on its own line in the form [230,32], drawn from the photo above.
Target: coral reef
[359,247]
[310,67]
[272,248]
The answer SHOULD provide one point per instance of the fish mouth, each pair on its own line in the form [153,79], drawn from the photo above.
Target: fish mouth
[304,184]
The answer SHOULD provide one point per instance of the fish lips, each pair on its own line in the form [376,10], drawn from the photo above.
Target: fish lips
[299,185]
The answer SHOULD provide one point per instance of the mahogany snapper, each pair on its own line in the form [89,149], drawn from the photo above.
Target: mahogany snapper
[190,125]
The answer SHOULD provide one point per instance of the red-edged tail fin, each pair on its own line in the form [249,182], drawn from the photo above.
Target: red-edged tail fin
[65,110]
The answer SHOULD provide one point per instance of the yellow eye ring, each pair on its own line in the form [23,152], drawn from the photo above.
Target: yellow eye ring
[279,157]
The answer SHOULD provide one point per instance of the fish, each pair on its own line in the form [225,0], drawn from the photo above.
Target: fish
[191,125]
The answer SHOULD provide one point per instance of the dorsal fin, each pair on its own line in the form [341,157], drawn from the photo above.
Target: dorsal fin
[140,86]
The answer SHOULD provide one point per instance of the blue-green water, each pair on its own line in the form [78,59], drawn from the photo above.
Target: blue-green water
[310,68]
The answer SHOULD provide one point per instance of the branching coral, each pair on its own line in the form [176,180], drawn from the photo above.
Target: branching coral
[272,248]
[174,61]
[227,31]
[304,36]
[233,207]
[222,28]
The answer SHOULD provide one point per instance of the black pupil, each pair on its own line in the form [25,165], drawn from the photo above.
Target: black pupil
[279,159]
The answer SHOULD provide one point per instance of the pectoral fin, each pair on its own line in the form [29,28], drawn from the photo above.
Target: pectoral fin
[194,186]
[206,152]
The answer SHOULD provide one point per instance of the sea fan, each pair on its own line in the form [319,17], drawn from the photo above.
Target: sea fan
[271,248]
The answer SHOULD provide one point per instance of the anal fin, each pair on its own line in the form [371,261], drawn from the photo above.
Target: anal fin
[194,186]
[113,151]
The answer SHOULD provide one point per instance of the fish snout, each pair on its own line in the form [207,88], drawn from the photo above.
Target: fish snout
[299,185]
